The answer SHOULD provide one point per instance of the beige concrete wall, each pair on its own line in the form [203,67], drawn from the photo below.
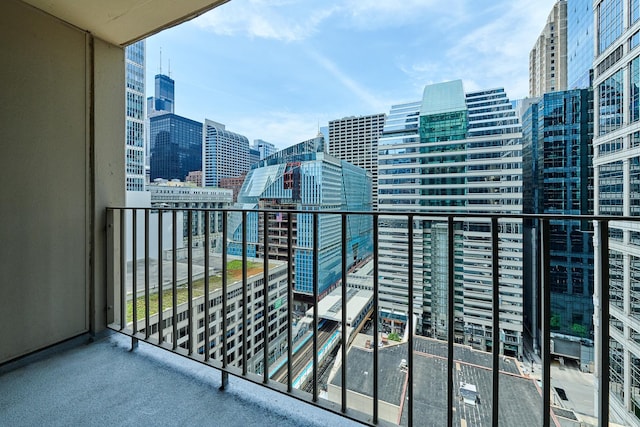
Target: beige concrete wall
[52,197]
[108,161]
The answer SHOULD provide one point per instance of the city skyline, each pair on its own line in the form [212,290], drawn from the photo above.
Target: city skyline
[336,60]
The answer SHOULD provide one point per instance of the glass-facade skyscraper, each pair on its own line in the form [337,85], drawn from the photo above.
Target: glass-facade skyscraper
[163,100]
[134,137]
[616,162]
[305,177]
[176,146]
[579,43]
[452,152]
[557,146]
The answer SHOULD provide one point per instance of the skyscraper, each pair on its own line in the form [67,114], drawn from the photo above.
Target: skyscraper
[265,148]
[579,43]
[225,154]
[557,142]
[355,139]
[548,57]
[452,152]
[176,146]
[616,162]
[164,99]
[305,177]
[134,137]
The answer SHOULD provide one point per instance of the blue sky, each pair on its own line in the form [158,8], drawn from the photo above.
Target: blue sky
[275,69]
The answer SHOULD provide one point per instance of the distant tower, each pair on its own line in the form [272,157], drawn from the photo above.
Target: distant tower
[548,58]
[355,139]
[265,148]
[176,146]
[134,137]
[164,99]
[225,154]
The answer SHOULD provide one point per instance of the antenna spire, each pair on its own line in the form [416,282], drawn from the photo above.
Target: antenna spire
[160,61]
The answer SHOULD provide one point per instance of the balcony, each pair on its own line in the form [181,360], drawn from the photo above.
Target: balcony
[385,384]
[64,278]
[103,383]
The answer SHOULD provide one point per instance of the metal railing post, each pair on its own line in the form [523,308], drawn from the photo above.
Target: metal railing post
[546,321]
[316,238]
[376,319]
[225,284]
[603,320]
[410,325]
[343,387]
[495,327]
[451,320]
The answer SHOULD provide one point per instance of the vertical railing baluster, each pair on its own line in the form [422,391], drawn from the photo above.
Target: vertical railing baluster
[546,317]
[316,237]
[123,271]
[225,286]
[265,303]
[207,314]
[112,263]
[160,278]
[451,319]
[603,356]
[376,332]
[147,255]
[289,300]
[134,275]
[174,279]
[244,293]
[495,327]
[343,217]
[190,280]
[410,324]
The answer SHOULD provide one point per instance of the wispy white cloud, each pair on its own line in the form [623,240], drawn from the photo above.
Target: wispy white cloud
[281,20]
[295,20]
[364,95]
[376,14]
[282,128]
[493,54]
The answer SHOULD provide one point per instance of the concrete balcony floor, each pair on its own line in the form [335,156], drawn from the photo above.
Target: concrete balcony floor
[104,384]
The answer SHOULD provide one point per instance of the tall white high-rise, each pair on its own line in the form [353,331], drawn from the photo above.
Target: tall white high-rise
[616,164]
[355,139]
[225,154]
[548,57]
[134,137]
[452,153]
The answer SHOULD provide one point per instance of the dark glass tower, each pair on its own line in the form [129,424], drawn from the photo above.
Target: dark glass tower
[176,146]
[558,133]
[165,93]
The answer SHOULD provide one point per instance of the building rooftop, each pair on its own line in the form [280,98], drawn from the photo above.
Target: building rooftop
[234,275]
[330,307]
[443,98]
[520,402]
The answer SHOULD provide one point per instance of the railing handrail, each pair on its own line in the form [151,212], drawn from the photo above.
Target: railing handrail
[117,221]
[420,214]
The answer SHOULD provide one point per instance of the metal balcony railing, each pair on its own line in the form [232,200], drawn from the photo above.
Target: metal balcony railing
[174,284]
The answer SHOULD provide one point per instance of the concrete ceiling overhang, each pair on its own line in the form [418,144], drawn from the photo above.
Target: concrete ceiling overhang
[122,22]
